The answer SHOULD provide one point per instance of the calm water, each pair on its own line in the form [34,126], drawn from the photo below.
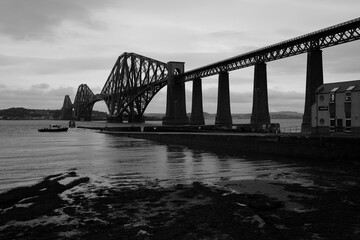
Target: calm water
[26,156]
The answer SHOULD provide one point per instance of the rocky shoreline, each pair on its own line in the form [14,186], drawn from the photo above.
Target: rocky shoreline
[67,206]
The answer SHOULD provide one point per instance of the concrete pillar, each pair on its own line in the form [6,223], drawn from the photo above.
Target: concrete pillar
[223,115]
[260,110]
[175,103]
[197,113]
[314,79]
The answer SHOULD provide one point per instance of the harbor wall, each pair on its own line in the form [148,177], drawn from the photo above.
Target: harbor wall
[325,148]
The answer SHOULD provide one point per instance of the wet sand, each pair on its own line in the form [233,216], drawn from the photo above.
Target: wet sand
[68,206]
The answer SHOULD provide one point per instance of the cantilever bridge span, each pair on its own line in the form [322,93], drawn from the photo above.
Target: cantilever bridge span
[134,79]
[133,82]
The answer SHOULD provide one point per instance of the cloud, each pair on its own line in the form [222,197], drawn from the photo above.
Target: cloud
[39,98]
[71,65]
[40,86]
[6,61]
[38,19]
[341,59]
[227,34]
[37,65]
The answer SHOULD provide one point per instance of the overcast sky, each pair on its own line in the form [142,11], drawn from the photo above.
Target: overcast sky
[49,47]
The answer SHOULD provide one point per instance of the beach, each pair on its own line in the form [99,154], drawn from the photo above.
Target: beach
[70,206]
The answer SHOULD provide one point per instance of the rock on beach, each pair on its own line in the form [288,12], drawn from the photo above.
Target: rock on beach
[66,206]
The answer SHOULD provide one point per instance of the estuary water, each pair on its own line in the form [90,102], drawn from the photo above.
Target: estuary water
[27,156]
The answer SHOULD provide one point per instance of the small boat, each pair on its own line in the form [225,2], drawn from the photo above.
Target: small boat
[53,128]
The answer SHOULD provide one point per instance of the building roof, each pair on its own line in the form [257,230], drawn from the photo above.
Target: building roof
[339,87]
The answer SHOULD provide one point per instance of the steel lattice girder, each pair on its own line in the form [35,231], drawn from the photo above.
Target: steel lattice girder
[84,102]
[335,35]
[132,83]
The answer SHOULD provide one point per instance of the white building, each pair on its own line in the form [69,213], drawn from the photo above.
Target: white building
[337,108]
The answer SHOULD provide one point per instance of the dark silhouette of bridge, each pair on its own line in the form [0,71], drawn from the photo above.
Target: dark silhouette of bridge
[135,80]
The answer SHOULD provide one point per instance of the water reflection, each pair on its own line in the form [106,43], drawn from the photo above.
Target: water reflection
[196,155]
[172,163]
[27,155]
[176,162]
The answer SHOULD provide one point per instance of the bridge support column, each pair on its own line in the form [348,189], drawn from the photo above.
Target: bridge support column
[314,79]
[223,114]
[260,110]
[197,113]
[175,103]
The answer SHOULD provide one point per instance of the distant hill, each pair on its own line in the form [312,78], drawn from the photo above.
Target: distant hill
[286,115]
[23,113]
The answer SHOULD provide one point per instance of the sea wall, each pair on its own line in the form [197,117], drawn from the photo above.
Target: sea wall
[325,148]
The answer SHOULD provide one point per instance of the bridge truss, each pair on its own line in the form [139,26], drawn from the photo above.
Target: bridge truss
[328,37]
[132,83]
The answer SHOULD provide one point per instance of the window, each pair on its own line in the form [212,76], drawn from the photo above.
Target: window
[332,109]
[332,125]
[339,125]
[177,71]
[348,109]
[332,97]
[348,125]
[348,97]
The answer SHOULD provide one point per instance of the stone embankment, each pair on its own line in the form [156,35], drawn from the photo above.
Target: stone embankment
[318,147]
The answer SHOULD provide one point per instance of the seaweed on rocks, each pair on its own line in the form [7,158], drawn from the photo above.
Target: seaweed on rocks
[150,211]
[25,203]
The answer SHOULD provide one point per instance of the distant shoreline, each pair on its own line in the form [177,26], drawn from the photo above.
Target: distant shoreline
[42,114]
